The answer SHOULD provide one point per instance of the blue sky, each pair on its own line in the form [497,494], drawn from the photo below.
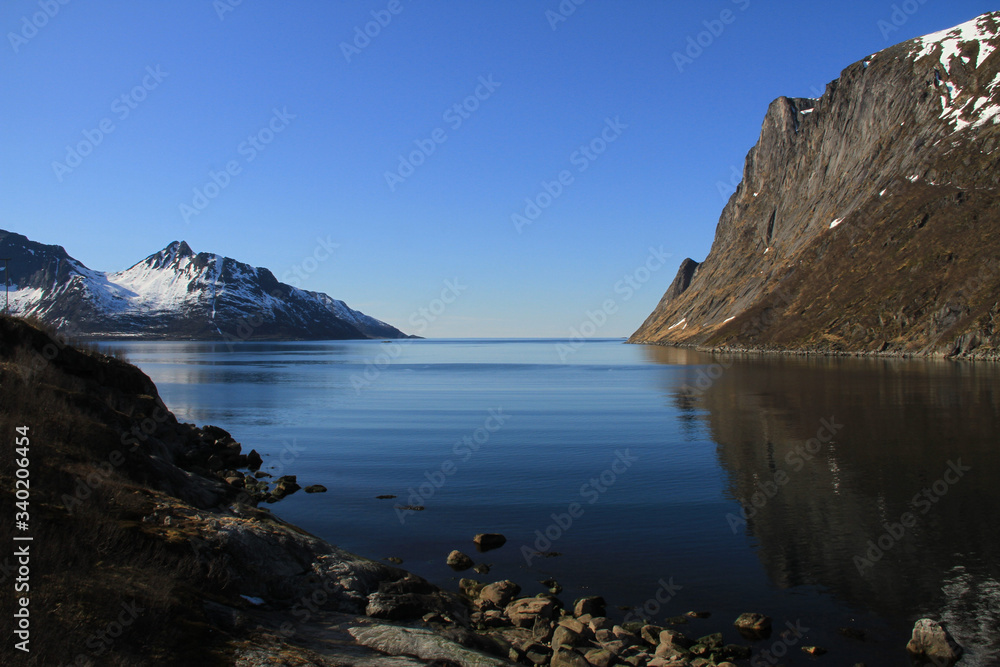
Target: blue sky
[286,118]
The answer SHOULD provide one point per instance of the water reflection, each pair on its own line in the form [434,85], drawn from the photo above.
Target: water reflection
[874,480]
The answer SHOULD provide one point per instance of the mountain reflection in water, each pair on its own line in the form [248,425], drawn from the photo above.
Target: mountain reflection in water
[898,512]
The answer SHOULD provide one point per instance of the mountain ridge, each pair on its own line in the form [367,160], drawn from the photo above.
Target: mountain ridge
[866,220]
[175,293]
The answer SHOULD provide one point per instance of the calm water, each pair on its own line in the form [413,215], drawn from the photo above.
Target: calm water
[657,452]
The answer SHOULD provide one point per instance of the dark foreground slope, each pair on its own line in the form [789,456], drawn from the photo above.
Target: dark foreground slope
[868,220]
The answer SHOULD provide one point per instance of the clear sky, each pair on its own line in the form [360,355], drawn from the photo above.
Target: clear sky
[286,118]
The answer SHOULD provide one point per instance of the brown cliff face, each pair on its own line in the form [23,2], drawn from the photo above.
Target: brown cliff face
[867,220]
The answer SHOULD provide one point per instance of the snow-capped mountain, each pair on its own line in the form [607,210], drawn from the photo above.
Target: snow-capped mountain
[174,293]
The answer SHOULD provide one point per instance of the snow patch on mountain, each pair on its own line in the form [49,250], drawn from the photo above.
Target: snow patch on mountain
[950,41]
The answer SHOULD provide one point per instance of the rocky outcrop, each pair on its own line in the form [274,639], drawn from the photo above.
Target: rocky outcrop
[866,219]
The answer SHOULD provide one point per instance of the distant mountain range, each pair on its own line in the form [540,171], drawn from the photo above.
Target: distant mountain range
[174,294]
[867,220]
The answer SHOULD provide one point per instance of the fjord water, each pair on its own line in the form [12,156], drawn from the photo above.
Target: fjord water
[869,486]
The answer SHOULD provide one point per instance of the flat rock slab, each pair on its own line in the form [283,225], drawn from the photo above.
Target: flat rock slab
[422,644]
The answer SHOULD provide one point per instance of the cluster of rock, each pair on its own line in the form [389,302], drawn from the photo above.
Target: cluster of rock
[484,542]
[213,452]
[540,631]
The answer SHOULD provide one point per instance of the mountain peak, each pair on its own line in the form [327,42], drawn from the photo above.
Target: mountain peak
[179,249]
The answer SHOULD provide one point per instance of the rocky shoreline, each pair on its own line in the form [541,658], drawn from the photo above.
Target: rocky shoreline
[340,607]
[172,517]
[985,355]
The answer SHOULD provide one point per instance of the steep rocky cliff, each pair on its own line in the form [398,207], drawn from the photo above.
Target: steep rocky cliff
[867,220]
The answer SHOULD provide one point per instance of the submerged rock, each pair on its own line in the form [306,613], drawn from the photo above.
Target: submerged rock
[554,586]
[489,541]
[470,587]
[315,488]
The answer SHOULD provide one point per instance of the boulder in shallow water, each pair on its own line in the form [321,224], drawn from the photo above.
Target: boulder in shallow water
[489,541]
[254,461]
[933,643]
[315,488]
[458,561]
[285,486]
[593,605]
[753,625]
